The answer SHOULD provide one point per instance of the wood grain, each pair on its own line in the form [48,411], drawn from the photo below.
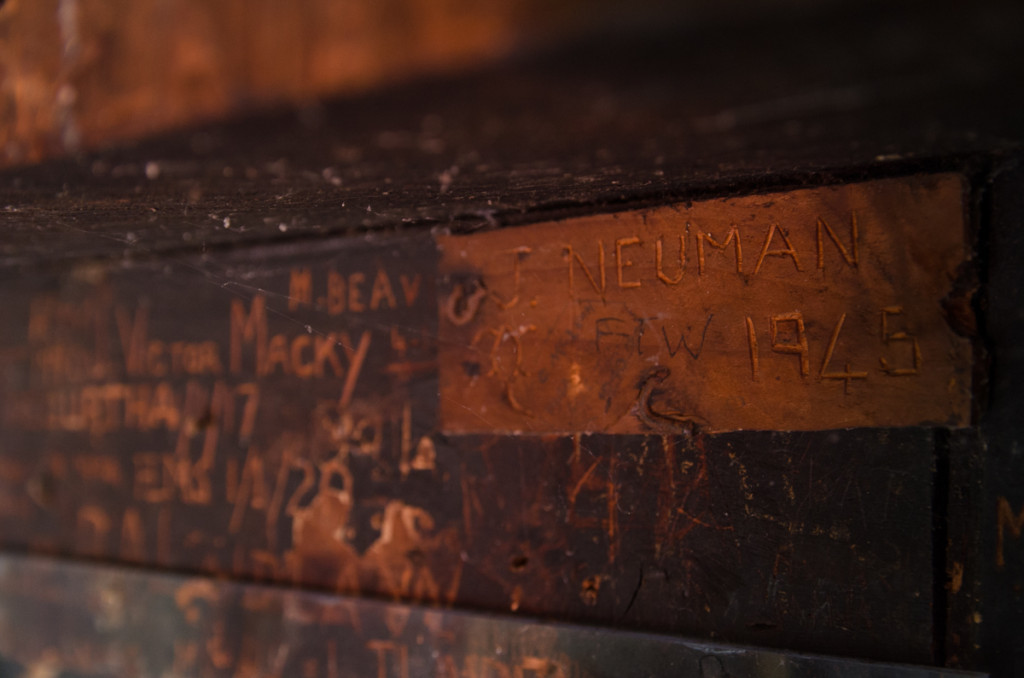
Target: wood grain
[811,309]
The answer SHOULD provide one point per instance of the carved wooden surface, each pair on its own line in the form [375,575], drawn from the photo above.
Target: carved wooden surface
[889,543]
[272,414]
[805,310]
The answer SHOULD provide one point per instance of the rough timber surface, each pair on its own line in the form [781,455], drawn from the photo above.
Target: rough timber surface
[271,413]
[648,118]
[820,541]
[213,628]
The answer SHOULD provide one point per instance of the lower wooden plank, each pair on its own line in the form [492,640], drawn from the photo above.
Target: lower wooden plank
[812,541]
[59,618]
[817,541]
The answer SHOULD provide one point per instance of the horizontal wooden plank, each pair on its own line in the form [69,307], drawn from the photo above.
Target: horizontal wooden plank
[78,620]
[86,74]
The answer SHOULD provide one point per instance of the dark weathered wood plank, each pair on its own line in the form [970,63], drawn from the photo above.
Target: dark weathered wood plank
[993,623]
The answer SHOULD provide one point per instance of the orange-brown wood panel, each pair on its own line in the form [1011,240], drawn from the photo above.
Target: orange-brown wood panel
[78,73]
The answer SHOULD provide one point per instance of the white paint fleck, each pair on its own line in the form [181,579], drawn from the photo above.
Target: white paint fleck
[446,177]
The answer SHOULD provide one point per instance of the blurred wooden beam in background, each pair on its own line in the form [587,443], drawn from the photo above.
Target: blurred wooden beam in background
[79,74]
[75,74]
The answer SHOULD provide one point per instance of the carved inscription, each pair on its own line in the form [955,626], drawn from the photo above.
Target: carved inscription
[811,309]
[272,415]
[261,419]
